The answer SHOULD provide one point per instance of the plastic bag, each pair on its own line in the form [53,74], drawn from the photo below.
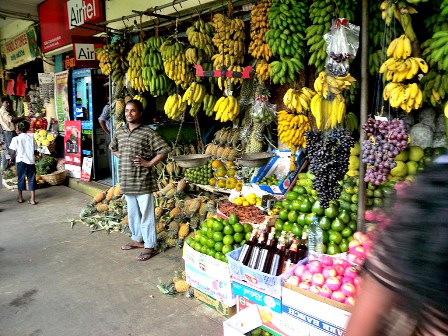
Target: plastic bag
[342,46]
[262,111]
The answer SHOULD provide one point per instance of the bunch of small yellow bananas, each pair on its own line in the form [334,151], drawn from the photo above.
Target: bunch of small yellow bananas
[328,113]
[229,39]
[292,128]
[407,97]
[263,69]
[103,55]
[141,99]
[223,83]
[298,101]
[174,106]
[134,72]
[226,108]
[194,94]
[397,70]
[200,36]
[258,47]
[328,85]
[175,63]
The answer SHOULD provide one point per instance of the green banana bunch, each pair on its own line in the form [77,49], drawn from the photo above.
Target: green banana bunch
[200,36]
[351,122]
[435,87]
[209,103]
[322,13]
[436,49]
[285,70]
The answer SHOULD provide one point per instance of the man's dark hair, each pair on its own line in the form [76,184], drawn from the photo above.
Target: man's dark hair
[23,126]
[137,103]
[6,99]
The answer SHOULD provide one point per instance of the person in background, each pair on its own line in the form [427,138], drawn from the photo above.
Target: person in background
[23,148]
[8,123]
[407,271]
[139,149]
[104,119]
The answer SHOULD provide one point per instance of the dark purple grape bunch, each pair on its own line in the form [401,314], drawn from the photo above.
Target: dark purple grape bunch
[328,155]
[386,139]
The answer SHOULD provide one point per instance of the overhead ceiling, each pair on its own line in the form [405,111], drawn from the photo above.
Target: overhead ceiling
[11,10]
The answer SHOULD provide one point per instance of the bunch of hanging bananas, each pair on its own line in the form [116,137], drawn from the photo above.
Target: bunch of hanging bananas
[407,97]
[263,69]
[200,36]
[175,62]
[400,47]
[351,122]
[229,39]
[194,96]
[135,67]
[328,113]
[435,87]
[153,74]
[395,9]
[322,13]
[398,70]
[258,47]
[209,104]
[445,110]
[291,129]
[103,55]
[113,61]
[226,108]
[298,101]
[436,49]
[285,70]
[174,106]
[329,85]
[224,83]
[141,99]
[193,55]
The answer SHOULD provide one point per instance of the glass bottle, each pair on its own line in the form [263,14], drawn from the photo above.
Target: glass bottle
[266,252]
[256,249]
[302,249]
[292,256]
[278,257]
[315,239]
[246,250]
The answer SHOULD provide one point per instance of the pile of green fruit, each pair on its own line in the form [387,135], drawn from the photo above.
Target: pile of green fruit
[200,175]
[270,180]
[216,237]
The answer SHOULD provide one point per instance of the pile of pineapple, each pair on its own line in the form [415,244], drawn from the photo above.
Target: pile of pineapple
[176,285]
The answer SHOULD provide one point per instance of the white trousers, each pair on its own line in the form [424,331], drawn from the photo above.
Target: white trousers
[141,219]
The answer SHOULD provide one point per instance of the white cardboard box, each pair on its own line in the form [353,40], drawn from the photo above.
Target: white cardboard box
[243,322]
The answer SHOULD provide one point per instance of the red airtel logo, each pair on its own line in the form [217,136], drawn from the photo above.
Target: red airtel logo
[81,11]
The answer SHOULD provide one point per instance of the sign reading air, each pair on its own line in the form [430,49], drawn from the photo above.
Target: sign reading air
[84,52]
[81,11]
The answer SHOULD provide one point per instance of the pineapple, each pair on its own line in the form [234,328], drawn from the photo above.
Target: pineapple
[181,286]
[110,193]
[101,207]
[99,197]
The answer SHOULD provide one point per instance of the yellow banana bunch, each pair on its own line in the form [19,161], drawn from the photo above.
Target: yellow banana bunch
[407,97]
[328,113]
[298,101]
[174,106]
[224,83]
[258,47]
[134,72]
[192,55]
[194,94]
[200,36]
[445,110]
[226,108]
[141,99]
[175,63]
[103,55]
[328,85]
[400,48]
[398,70]
[291,129]
[227,60]
[262,70]
[209,103]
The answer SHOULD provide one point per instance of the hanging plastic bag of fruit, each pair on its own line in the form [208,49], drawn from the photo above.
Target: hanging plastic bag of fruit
[262,111]
[342,46]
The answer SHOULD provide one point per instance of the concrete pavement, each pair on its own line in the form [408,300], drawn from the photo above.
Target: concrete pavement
[55,280]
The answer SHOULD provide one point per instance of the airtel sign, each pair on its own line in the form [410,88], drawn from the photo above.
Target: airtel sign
[81,11]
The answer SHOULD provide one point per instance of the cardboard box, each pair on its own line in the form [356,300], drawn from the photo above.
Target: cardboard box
[217,305]
[279,165]
[265,283]
[318,315]
[209,275]
[243,322]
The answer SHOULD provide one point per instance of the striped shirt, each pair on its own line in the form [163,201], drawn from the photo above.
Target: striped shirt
[141,141]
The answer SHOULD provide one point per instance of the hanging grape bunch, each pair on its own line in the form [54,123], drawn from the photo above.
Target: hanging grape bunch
[328,154]
[386,138]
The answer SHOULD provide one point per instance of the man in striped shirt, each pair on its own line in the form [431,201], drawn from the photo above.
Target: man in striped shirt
[139,149]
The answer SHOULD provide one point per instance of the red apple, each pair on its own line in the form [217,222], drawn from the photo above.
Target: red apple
[304,285]
[306,276]
[347,279]
[351,258]
[315,289]
[353,244]
[329,271]
[326,260]
[369,215]
[344,263]
[315,266]
[293,280]
[348,289]
[350,272]
[358,251]
[359,236]
[299,270]
[318,279]
[333,283]
[357,281]
[350,301]
[325,291]
[339,269]
[338,296]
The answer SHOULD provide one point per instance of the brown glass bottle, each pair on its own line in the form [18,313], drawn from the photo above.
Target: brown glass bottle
[256,249]
[246,250]
[302,249]
[292,256]
[266,252]
[291,237]
[278,257]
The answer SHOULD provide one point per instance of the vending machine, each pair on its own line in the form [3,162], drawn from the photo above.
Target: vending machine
[89,97]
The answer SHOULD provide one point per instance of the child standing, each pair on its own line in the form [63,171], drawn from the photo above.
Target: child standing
[23,148]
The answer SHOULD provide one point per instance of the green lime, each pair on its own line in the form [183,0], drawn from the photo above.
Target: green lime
[332,211]
[287,226]
[219,255]
[325,223]
[299,190]
[301,220]
[233,219]
[279,224]
[248,235]
[305,207]
[197,236]
[247,227]
[228,240]
[332,248]
[218,236]
[228,230]
[346,232]
[238,237]
[316,208]
[238,228]
[227,248]
[204,249]
[218,246]
[296,230]
[292,216]
[291,195]
[210,242]
[217,226]
[296,204]
[283,214]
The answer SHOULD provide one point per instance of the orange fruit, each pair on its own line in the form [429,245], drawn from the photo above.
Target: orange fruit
[212,181]
[239,186]
[221,171]
[221,183]
[230,164]
[231,172]
[217,163]
[231,183]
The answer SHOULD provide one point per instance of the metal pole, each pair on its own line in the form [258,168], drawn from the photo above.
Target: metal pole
[363,108]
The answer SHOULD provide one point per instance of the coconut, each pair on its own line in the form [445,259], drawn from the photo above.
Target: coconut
[439,140]
[421,135]
[440,124]
[427,116]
